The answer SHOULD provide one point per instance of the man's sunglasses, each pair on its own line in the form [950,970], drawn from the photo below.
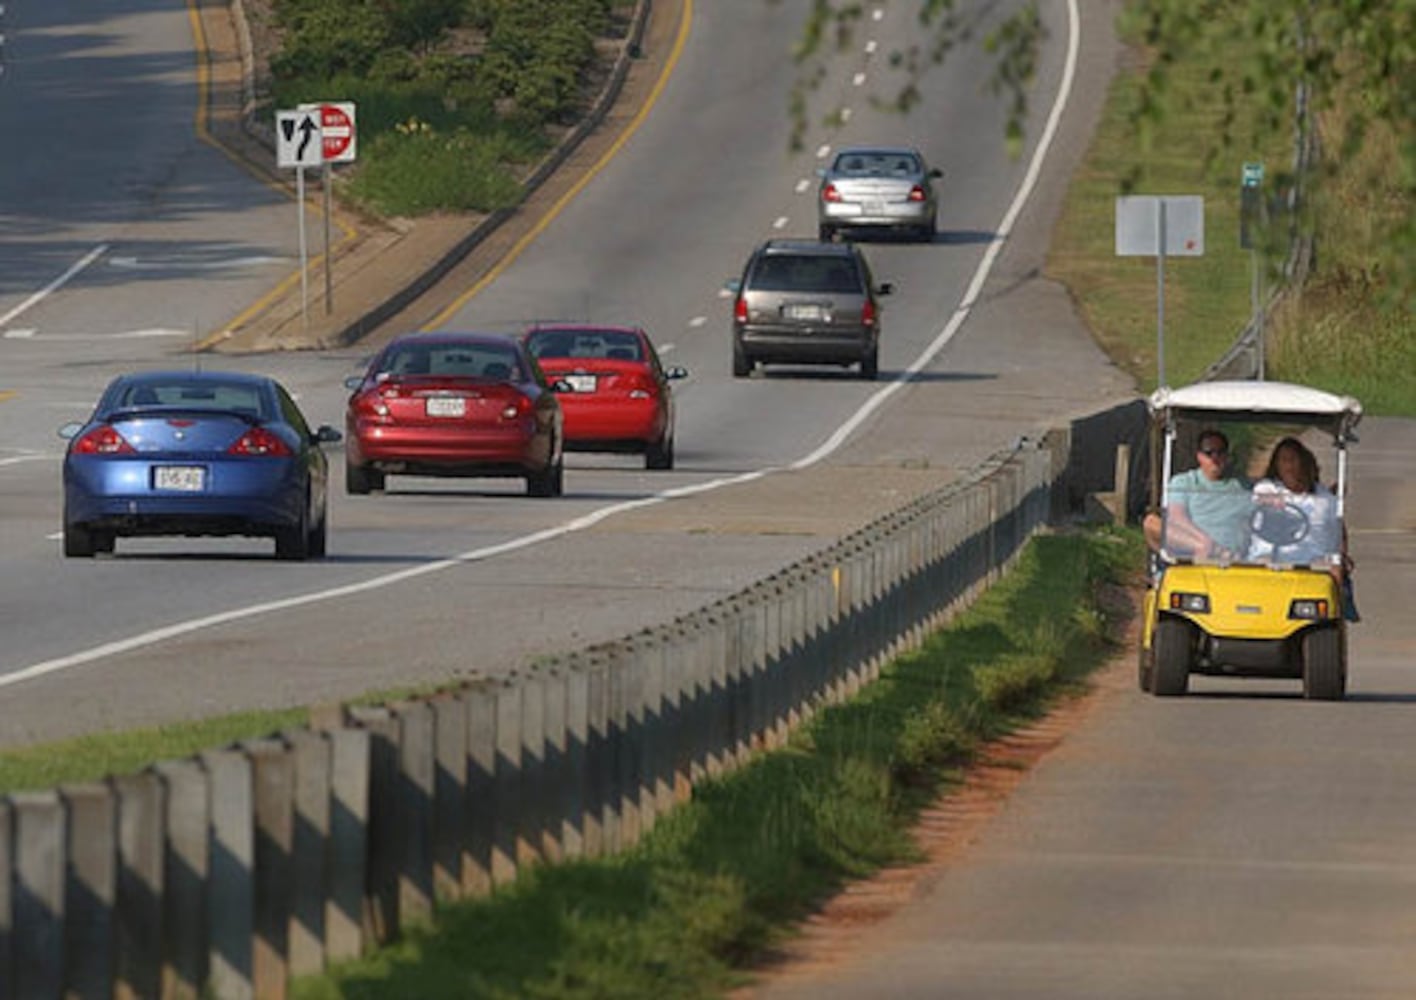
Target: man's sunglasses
[1214,452]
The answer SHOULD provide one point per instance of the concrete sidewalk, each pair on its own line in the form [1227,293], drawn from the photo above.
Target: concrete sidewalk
[387,271]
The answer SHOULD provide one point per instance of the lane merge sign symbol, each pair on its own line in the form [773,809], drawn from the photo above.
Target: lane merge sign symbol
[338,129]
[298,142]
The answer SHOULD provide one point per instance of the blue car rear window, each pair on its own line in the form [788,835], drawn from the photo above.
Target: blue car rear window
[194,396]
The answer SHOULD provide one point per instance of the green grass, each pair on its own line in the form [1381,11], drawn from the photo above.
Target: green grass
[1337,332]
[90,758]
[722,878]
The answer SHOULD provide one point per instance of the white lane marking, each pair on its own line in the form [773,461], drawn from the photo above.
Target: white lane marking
[822,152]
[780,222]
[1005,228]
[877,14]
[56,284]
[669,348]
[961,312]
[33,456]
[858,79]
[802,185]
[22,333]
[173,264]
[698,321]
[54,537]
[725,293]
[871,46]
[845,114]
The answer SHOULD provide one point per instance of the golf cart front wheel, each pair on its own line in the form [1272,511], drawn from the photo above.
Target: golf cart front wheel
[1172,647]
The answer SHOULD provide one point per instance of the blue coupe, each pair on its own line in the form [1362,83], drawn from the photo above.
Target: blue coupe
[193,454]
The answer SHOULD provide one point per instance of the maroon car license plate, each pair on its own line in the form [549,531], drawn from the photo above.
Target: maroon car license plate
[446,406]
[186,478]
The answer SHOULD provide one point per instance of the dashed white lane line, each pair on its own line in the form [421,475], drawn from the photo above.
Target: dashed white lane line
[845,114]
[56,284]
[836,439]
[121,335]
[822,152]
[877,14]
[20,333]
[697,321]
[780,222]
[802,185]
[871,46]
[858,80]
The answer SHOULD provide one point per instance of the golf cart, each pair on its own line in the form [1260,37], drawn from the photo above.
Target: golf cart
[1271,603]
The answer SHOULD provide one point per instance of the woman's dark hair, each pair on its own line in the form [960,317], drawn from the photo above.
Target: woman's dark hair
[1307,462]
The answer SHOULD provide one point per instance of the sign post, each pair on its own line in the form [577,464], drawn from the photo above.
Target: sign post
[1157,226]
[298,144]
[1251,211]
[337,145]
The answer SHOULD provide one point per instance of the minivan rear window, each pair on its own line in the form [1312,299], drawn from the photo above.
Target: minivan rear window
[807,273]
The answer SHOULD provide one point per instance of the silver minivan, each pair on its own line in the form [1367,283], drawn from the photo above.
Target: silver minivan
[806,302]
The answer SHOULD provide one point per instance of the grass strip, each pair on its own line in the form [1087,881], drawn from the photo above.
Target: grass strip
[721,879]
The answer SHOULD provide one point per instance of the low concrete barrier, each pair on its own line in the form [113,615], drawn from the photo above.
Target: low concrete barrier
[226,874]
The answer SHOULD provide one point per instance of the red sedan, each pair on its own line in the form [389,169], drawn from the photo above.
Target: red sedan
[619,399]
[453,404]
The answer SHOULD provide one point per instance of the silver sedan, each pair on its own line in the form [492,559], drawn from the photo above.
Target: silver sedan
[879,188]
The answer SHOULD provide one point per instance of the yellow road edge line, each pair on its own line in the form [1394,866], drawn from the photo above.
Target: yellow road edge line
[679,42]
[200,125]
[8,394]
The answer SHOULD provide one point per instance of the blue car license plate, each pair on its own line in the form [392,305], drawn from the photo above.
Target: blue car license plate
[185,478]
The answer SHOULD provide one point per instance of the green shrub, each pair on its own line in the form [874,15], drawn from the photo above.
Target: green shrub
[416,169]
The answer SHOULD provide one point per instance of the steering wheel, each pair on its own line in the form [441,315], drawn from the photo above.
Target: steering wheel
[1278,525]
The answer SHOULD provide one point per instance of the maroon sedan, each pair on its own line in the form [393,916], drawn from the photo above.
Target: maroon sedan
[453,404]
[616,394]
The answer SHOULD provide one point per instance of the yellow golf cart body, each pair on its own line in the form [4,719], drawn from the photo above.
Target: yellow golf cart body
[1274,609]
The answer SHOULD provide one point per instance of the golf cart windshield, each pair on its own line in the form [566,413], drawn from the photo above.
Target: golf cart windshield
[1252,473]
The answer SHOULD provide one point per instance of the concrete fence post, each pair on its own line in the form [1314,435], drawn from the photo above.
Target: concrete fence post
[186,870]
[231,889]
[414,804]
[506,801]
[449,795]
[480,702]
[383,844]
[601,816]
[91,891]
[141,837]
[577,741]
[627,687]
[7,900]
[649,662]
[555,801]
[311,759]
[273,798]
[38,901]
[531,813]
[348,850]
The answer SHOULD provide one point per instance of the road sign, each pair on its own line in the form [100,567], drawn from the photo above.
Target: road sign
[1253,175]
[297,139]
[337,125]
[1139,224]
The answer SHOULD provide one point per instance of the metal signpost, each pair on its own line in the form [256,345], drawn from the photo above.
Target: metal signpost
[1251,213]
[1159,226]
[338,145]
[299,144]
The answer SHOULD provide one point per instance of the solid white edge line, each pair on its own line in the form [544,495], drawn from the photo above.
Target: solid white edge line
[595,517]
[985,265]
[54,285]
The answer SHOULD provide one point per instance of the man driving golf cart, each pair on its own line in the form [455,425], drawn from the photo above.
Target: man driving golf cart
[1246,581]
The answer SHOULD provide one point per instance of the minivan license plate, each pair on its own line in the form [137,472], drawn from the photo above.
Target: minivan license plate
[187,478]
[806,312]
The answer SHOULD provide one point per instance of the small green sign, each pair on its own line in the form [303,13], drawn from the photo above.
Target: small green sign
[1253,175]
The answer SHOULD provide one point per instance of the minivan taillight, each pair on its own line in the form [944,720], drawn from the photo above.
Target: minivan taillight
[740,309]
[867,313]
[916,193]
[103,441]
[829,193]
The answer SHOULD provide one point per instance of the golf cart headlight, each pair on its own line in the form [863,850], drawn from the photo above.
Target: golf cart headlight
[1308,610]
[1194,603]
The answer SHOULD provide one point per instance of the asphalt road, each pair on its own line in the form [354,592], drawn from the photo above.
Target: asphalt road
[1240,842]
[445,579]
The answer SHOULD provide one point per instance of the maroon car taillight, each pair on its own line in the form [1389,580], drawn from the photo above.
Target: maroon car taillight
[103,441]
[371,405]
[916,193]
[867,314]
[516,408]
[740,310]
[260,443]
[829,193]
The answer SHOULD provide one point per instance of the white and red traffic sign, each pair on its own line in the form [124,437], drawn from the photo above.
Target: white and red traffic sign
[337,127]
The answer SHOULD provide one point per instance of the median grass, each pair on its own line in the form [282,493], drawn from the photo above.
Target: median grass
[721,879]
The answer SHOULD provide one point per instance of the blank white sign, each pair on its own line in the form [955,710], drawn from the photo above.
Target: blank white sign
[1138,225]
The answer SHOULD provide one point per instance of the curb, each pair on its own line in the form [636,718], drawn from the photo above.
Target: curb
[450,244]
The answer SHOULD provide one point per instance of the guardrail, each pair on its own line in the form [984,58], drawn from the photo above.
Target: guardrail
[225,874]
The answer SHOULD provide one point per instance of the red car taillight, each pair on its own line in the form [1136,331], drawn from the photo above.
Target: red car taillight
[370,404]
[103,441]
[515,408]
[829,193]
[916,193]
[740,310]
[641,387]
[867,313]
[260,443]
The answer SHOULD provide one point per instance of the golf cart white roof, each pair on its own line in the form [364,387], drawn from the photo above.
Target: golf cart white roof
[1278,401]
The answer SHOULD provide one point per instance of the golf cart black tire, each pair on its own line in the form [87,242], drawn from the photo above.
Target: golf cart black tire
[1172,646]
[1325,664]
